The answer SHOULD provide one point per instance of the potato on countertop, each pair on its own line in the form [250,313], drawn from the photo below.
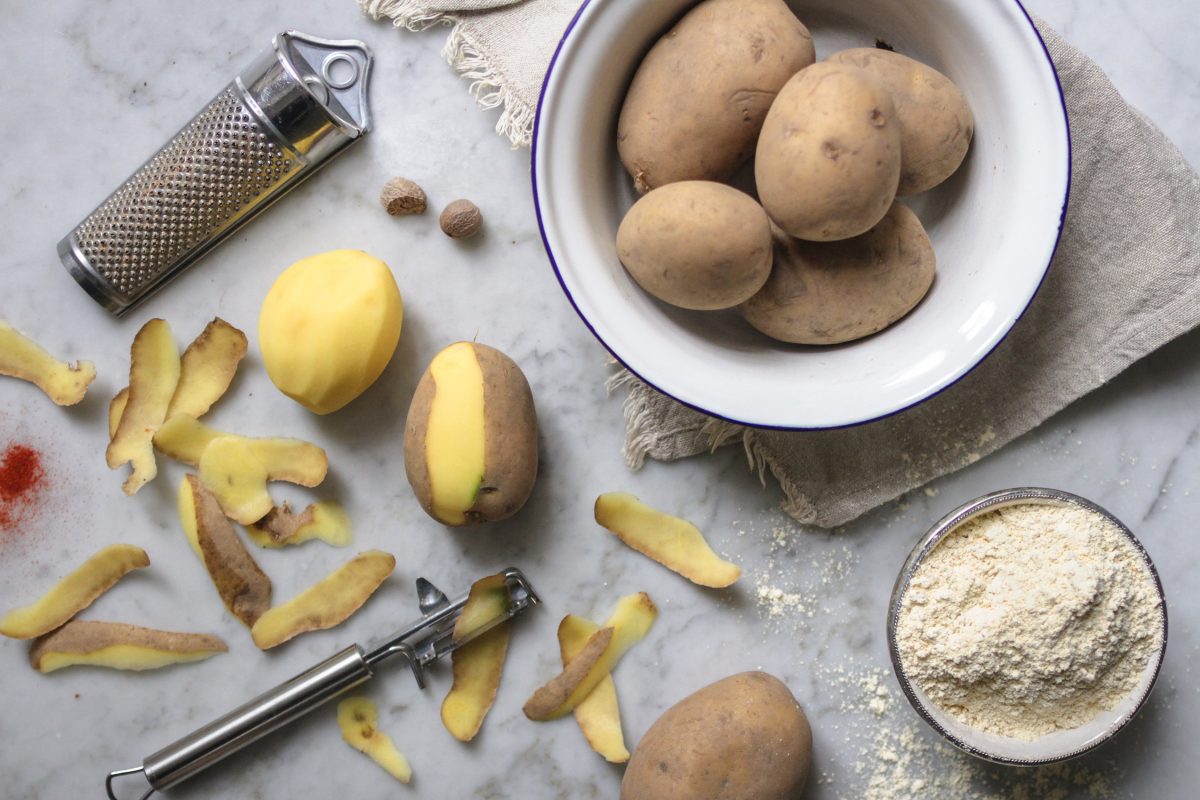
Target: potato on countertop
[697,102]
[697,244]
[936,124]
[828,159]
[834,292]
[743,737]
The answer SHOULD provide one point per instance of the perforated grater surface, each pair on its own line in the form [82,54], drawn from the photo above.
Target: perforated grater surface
[294,108]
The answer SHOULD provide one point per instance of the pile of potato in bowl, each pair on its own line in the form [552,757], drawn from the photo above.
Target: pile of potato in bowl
[746,214]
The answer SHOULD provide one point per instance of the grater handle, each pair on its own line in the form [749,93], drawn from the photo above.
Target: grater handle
[248,723]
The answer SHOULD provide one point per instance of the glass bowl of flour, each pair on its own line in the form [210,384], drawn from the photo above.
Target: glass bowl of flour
[1028,626]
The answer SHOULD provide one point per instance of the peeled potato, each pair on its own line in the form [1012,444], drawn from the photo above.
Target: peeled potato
[834,292]
[329,326]
[673,542]
[75,592]
[22,358]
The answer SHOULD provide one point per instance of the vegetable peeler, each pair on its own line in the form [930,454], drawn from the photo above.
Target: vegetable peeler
[420,643]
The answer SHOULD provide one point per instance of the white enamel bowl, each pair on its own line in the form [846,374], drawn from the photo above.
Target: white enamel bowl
[994,224]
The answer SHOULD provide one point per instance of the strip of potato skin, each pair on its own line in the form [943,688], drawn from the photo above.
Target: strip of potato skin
[244,587]
[479,663]
[116,407]
[153,375]
[117,645]
[358,721]
[598,715]
[552,695]
[671,541]
[207,368]
[75,592]
[24,359]
[326,603]
[282,527]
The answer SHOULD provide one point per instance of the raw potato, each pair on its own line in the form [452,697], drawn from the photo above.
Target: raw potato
[119,646]
[116,407]
[697,102]
[358,720]
[629,624]
[936,124]
[236,469]
[329,326]
[74,593]
[697,244]
[834,292]
[828,160]
[673,542]
[153,375]
[326,603]
[479,663]
[598,715]
[244,587]
[470,442]
[742,737]
[282,527]
[207,368]
[22,358]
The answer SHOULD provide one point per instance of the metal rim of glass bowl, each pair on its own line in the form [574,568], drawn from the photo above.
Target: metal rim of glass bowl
[946,525]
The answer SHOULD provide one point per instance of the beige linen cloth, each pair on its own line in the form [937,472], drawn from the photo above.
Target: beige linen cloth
[1123,282]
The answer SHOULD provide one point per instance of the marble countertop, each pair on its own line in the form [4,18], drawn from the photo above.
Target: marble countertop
[92,88]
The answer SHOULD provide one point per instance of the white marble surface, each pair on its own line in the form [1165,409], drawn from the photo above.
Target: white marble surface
[92,88]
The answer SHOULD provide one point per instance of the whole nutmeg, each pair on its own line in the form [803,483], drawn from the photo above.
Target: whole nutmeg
[461,219]
[401,196]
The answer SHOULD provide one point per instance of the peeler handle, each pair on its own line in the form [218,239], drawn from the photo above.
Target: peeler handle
[262,715]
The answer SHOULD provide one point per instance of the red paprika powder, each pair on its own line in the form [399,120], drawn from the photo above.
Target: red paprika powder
[21,477]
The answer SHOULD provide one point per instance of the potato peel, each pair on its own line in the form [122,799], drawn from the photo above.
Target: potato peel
[116,407]
[244,587]
[282,527]
[22,358]
[552,696]
[598,715]
[478,664]
[629,624]
[153,375]
[207,368]
[673,542]
[326,603]
[74,593]
[358,719]
[119,646]
[185,439]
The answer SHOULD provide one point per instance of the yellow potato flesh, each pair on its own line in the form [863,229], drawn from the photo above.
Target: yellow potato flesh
[478,663]
[24,359]
[455,437]
[598,715]
[357,719]
[326,603]
[186,502]
[74,593]
[328,522]
[237,478]
[184,439]
[116,407]
[673,542]
[329,326]
[153,375]
[630,623]
[206,368]
[123,656]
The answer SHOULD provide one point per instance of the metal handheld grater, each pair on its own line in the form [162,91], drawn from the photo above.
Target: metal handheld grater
[295,107]
[421,643]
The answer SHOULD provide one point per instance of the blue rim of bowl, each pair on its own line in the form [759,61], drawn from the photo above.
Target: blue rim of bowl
[537,206]
[944,528]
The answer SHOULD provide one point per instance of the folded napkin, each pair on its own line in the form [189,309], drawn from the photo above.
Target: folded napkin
[1123,283]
